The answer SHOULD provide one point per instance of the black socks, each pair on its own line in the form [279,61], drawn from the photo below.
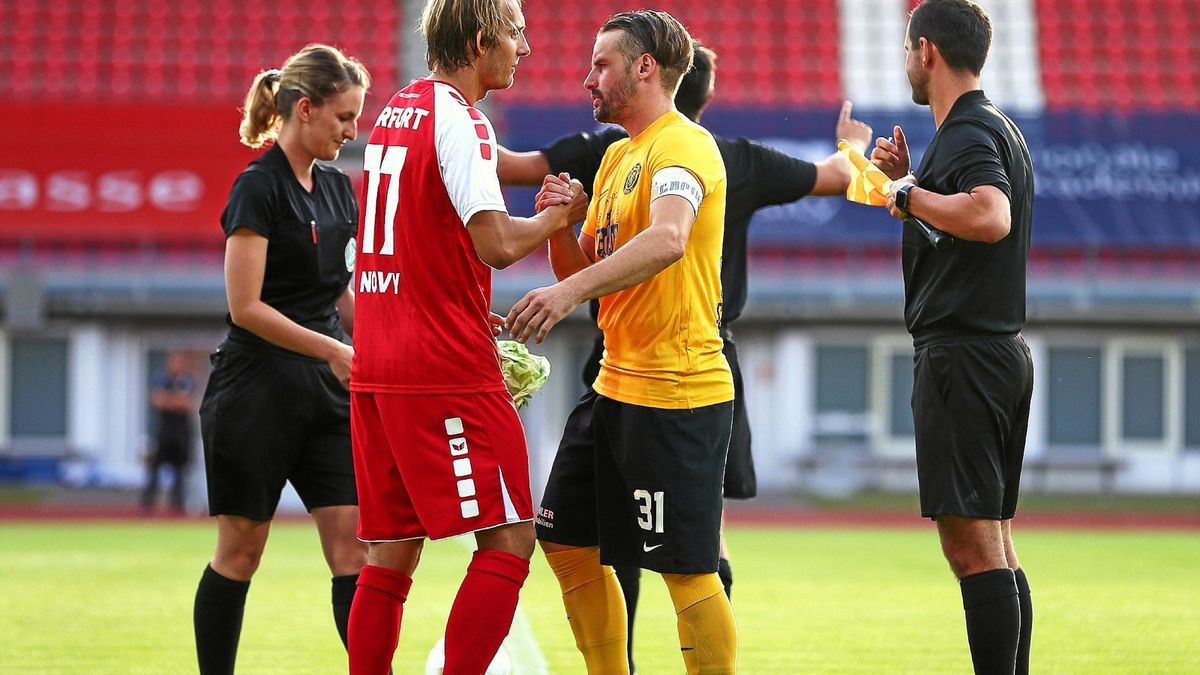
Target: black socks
[630,579]
[342,598]
[726,573]
[993,620]
[217,617]
[1026,603]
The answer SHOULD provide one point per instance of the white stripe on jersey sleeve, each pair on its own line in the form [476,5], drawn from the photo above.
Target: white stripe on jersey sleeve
[678,181]
[466,151]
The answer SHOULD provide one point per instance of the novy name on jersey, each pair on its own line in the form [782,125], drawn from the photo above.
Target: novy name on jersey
[374,281]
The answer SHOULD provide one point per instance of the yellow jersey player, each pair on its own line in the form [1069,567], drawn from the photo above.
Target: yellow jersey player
[650,493]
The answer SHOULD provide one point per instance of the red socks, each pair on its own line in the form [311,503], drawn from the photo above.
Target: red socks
[482,613]
[375,619]
[479,620]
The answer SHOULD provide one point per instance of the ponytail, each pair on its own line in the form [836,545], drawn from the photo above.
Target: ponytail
[261,120]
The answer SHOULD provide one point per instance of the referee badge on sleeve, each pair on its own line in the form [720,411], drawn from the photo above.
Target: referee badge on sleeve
[351,251]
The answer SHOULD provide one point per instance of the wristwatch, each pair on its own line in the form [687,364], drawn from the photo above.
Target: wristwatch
[902,197]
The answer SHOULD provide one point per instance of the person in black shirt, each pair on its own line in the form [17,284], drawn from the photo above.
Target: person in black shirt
[965,307]
[277,407]
[759,176]
[173,397]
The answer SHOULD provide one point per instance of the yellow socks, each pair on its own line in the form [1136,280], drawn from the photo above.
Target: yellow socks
[595,608]
[707,633]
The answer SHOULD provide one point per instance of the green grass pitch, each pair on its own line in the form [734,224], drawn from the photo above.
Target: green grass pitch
[117,597]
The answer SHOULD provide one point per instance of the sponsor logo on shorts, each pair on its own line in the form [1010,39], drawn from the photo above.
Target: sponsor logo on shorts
[545,518]
[469,507]
[648,548]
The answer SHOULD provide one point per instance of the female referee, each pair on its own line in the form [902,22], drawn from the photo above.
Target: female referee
[277,406]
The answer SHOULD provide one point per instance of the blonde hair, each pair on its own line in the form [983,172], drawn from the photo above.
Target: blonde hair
[450,26]
[317,72]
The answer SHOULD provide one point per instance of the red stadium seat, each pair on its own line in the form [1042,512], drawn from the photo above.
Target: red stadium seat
[1119,54]
[767,49]
[183,51]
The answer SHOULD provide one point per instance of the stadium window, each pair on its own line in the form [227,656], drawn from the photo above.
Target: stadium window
[38,395]
[890,389]
[1145,395]
[841,393]
[1191,406]
[891,395]
[900,420]
[1074,397]
[1142,398]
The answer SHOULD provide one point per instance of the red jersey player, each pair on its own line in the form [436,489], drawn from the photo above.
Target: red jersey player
[438,447]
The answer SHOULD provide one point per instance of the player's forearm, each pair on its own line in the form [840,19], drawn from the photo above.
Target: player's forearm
[973,216]
[521,168]
[526,235]
[269,324]
[566,256]
[833,175]
[647,254]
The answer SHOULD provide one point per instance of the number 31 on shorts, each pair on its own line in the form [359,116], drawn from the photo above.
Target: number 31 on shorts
[651,508]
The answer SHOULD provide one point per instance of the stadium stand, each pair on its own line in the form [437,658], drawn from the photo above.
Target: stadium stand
[1101,88]
[167,52]
[772,52]
[1116,54]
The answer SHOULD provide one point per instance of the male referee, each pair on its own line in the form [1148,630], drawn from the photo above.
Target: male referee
[965,306]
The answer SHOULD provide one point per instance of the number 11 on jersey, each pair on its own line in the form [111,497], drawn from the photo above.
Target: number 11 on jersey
[389,160]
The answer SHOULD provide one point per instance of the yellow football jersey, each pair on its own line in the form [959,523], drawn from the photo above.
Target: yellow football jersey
[662,348]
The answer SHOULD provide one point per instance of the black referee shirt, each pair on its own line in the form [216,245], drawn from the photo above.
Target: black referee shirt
[758,176]
[309,250]
[969,287]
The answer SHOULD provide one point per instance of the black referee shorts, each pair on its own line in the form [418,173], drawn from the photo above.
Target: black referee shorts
[648,491]
[269,417]
[740,480]
[971,411]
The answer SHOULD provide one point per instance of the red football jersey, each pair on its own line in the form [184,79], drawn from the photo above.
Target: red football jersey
[422,295]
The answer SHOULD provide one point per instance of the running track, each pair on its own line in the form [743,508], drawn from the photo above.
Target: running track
[770,515]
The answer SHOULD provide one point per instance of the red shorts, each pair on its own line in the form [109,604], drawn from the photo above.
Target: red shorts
[437,466]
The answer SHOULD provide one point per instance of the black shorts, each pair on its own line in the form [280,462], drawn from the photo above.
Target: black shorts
[269,417]
[971,411]
[740,480]
[646,487]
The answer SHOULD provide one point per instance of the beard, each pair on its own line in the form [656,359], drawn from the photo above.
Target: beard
[920,88]
[614,104]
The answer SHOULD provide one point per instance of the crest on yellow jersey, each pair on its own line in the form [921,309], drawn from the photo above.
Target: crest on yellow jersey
[632,179]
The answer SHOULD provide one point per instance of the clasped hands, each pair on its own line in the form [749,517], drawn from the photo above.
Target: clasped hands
[563,190]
